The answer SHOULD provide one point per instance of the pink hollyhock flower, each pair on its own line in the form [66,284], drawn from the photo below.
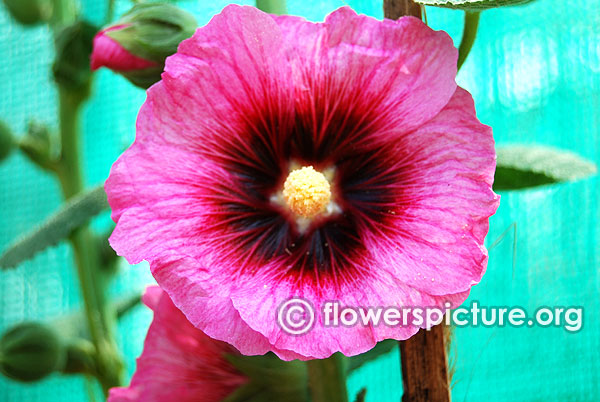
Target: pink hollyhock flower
[107,52]
[329,161]
[179,362]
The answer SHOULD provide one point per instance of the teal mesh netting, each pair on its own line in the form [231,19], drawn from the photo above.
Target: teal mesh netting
[535,75]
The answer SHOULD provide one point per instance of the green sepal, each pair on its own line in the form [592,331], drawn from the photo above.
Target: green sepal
[270,379]
[30,352]
[144,78]
[71,67]
[153,31]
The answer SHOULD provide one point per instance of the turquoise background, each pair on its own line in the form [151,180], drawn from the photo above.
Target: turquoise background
[535,75]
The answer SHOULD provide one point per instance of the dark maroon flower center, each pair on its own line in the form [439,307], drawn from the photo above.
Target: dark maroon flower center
[327,131]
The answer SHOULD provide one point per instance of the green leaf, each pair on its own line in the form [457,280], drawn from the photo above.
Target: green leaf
[521,166]
[378,350]
[472,5]
[72,215]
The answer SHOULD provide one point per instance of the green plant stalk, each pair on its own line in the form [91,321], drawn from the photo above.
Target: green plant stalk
[469,35]
[100,319]
[327,379]
[110,11]
[272,6]
[69,171]
[64,12]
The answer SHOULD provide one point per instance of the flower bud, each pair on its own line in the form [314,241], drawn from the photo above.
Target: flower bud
[29,352]
[71,67]
[7,142]
[29,12]
[137,45]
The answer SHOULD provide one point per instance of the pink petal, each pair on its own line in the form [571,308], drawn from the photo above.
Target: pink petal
[446,199]
[179,362]
[411,64]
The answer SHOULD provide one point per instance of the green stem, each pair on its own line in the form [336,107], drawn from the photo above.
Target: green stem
[100,318]
[110,11]
[100,321]
[89,388]
[327,379]
[69,172]
[469,34]
[64,12]
[272,6]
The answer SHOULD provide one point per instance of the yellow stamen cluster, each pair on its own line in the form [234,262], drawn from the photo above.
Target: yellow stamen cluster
[306,192]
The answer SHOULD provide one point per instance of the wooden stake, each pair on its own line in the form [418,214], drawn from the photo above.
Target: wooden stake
[394,9]
[425,367]
[423,357]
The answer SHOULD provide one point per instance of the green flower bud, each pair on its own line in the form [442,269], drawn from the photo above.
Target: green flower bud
[7,142]
[73,49]
[29,352]
[30,12]
[137,45]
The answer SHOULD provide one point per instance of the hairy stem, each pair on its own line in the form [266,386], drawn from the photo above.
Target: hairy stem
[69,172]
[100,319]
[327,379]
[469,34]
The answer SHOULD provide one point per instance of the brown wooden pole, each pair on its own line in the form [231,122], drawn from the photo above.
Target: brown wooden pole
[425,367]
[424,362]
[394,9]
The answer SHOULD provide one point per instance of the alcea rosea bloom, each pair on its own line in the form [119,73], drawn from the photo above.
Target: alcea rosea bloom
[329,161]
[179,362]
